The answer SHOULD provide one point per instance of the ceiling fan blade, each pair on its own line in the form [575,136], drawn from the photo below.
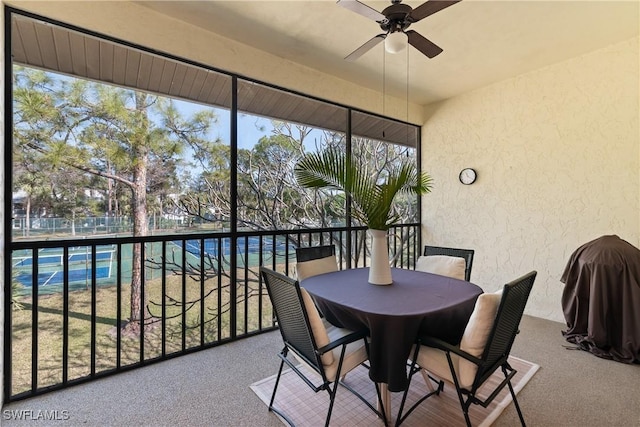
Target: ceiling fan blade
[365,47]
[362,9]
[429,8]
[425,46]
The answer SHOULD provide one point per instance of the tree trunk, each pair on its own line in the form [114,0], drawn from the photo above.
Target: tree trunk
[73,213]
[27,218]
[139,202]
[116,204]
[109,193]
[139,229]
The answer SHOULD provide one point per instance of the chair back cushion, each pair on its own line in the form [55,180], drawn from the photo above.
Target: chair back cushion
[317,326]
[477,333]
[443,265]
[317,266]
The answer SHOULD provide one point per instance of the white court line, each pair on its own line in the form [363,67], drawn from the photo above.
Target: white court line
[49,279]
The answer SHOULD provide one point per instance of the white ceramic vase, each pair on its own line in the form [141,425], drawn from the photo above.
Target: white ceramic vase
[380,270]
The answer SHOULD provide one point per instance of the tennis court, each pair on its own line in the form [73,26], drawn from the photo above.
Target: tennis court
[57,277]
[50,262]
[56,258]
[251,248]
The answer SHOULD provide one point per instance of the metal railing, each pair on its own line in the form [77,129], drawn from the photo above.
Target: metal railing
[69,321]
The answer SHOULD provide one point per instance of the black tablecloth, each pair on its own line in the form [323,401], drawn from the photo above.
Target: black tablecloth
[417,303]
[601,299]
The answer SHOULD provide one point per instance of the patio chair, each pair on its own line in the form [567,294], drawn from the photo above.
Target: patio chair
[485,347]
[452,262]
[325,349]
[314,260]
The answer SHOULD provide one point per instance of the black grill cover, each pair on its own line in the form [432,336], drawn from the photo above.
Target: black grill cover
[601,299]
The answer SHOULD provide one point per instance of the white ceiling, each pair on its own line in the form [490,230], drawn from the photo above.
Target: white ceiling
[483,41]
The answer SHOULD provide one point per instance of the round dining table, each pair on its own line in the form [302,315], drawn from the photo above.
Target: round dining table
[415,304]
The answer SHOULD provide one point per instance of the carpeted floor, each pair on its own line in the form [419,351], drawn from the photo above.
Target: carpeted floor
[306,408]
[210,388]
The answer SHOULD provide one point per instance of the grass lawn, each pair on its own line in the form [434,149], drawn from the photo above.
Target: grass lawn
[50,326]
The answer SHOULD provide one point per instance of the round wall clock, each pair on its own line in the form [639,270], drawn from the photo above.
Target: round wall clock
[468,176]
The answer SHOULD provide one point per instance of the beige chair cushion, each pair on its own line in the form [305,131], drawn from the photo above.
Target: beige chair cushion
[316,266]
[450,266]
[473,342]
[355,353]
[435,362]
[318,326]
[477,332]
[324,333]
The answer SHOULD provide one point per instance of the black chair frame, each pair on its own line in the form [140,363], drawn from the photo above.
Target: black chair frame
[298,338]
[495,355]
[467,254]
[309,253]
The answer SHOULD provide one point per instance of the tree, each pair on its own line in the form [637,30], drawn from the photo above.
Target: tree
[33,112]
[119,135]
[29,178]
[269,197]
[69,195]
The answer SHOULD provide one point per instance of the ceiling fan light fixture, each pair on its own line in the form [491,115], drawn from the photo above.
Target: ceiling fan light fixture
[395,42]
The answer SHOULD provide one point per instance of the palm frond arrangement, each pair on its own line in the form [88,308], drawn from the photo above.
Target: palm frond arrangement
[372,198]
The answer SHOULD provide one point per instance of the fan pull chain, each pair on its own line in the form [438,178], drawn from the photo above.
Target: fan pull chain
[407,94]
[384,65]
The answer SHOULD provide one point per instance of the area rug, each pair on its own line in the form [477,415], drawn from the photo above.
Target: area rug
[306,408]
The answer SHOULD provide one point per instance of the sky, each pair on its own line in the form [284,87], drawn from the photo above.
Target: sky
[250,127]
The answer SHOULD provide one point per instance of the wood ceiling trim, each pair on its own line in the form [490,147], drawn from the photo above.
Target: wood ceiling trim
[48,46]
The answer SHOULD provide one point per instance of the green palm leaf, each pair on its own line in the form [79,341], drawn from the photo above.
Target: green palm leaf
[333,170]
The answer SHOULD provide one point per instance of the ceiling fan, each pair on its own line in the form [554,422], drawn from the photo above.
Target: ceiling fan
[394,21]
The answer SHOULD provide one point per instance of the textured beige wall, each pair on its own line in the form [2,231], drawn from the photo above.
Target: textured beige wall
[557,155]
[145,27]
